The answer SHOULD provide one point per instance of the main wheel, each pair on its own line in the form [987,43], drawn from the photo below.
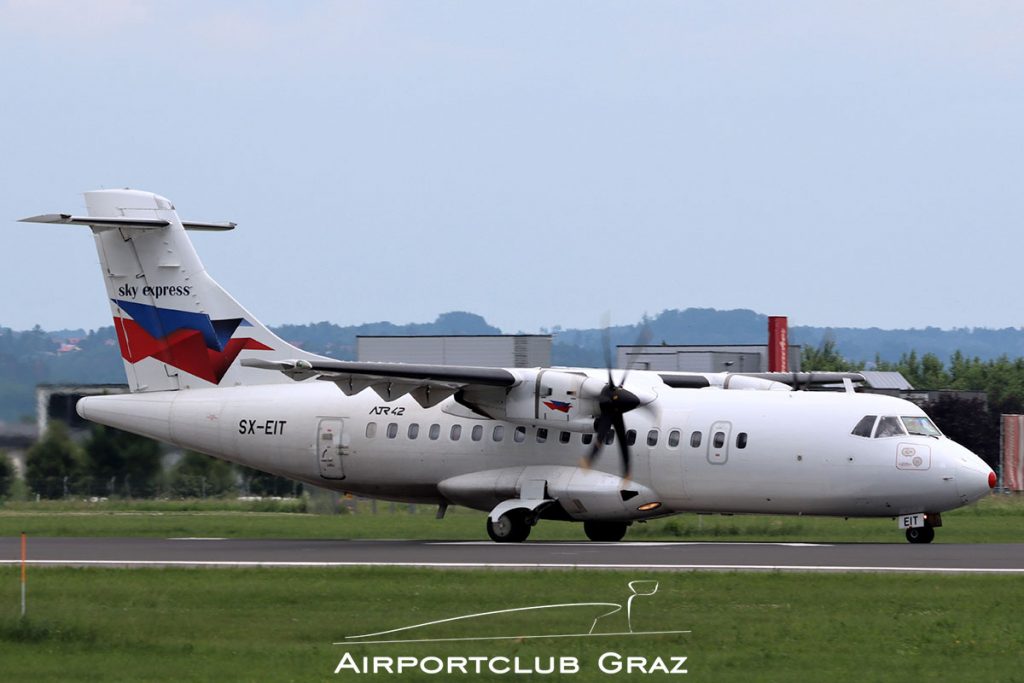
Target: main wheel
[608,532]
[920,534]
[511,527]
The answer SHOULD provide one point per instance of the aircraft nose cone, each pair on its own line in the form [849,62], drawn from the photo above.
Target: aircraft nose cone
[974,478]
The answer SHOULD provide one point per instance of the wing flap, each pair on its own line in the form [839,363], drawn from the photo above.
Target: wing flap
[427,384]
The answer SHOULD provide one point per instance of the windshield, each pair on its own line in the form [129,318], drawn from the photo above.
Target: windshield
[864,427]
[889,426]
[921,426]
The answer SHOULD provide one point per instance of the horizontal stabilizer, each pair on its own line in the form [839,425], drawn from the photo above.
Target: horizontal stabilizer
[104,223]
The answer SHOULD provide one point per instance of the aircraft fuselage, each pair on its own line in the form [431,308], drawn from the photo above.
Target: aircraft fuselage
[706,450]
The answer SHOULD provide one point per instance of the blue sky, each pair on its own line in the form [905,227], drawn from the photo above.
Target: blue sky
[843,163]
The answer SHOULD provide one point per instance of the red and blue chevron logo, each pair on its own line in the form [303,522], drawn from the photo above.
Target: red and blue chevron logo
[560,406]
[191,342]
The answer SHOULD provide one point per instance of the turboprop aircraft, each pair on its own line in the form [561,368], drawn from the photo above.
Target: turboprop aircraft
[522,444]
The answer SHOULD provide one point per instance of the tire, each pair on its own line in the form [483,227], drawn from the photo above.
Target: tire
[920,534]
[511,527]
[606,532]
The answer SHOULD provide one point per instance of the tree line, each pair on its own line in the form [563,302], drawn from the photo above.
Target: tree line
[110,463]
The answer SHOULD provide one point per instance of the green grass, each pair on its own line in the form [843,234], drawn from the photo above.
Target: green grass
[279,624]
[159,505]
[998,519]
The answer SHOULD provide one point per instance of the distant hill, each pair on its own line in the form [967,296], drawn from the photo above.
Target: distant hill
[741,326]
[35,356]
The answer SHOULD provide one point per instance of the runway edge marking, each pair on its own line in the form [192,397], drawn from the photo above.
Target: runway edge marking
[232,564]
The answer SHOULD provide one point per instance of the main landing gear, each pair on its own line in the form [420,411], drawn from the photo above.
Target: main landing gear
[512,527]
[608,532]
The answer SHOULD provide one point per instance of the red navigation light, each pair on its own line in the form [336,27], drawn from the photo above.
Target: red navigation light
[991,480]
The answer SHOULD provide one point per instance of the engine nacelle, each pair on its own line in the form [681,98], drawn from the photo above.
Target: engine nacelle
[582,494]
[558,399]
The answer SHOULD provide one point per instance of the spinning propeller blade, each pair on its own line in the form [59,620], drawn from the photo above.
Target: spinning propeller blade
[613,403]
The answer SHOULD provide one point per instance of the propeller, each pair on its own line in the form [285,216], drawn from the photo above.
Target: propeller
[613,402]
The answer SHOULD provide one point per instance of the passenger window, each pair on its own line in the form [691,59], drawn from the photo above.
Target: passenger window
[499,433]
[392,430]
[673,438]
[519,435]
[564,437]
[587,439]
[719,439]
[741,440]
[631,437]
[695,439]
[414,430]
[456,432]
[889,426]
[477,433]
[542,435]
[652,437]
[371,430]
[863,427]
[435,431]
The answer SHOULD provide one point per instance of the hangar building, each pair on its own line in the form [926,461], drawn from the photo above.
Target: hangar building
[698,358]
[495,350]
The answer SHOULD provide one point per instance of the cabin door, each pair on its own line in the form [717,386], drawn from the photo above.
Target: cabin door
[332,445]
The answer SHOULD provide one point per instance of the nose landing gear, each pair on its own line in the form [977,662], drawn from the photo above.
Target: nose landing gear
[920,527]
[920,534]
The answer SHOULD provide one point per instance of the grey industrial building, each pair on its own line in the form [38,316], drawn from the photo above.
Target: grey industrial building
[498,350]
[701,358]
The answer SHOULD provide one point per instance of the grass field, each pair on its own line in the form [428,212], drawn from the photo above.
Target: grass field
[279,625]
[998,519]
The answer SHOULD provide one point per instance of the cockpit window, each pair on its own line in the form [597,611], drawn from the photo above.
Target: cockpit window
[921,426]
[889,426]
[863,427]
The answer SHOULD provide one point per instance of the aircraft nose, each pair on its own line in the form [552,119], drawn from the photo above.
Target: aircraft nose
[974,479]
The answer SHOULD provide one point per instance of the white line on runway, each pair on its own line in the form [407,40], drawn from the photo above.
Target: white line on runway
[230,564]
[634,544]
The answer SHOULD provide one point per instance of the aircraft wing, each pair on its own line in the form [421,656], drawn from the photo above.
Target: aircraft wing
[753,380]
[800,379]
[428,384]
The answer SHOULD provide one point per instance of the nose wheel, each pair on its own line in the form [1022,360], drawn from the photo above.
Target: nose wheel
[921,534]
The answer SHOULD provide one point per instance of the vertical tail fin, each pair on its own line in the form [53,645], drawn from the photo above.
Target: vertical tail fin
[177,328]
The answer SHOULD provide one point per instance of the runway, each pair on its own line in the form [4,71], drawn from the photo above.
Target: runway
[192,552]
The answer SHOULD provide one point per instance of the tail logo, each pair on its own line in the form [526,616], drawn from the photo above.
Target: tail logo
[191,342]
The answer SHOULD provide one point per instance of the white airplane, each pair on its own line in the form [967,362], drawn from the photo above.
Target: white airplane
[521,444]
